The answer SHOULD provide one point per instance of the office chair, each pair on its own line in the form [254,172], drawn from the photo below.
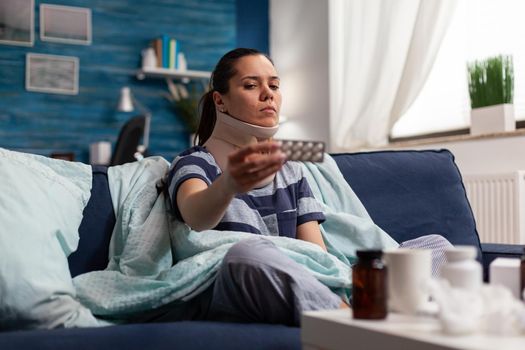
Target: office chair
[128,147]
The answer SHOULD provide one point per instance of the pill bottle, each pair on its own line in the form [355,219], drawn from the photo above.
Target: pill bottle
[369,285]
[461,269]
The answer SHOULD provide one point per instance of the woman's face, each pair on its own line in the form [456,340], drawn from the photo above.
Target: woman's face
[254,96]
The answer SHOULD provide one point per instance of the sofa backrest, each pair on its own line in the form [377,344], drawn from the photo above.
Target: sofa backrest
[412,193]
[407,193]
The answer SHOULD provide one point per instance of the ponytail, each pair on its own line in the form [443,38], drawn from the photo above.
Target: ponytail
[207,118]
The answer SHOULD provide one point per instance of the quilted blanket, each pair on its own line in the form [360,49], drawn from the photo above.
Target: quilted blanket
[155,259]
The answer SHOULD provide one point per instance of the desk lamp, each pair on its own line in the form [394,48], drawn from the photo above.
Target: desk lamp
[128,103]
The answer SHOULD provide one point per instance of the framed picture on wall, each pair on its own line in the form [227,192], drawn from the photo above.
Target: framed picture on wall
[17,22]
[52,74]
[65,24]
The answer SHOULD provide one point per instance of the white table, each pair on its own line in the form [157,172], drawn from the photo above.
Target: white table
[336,329]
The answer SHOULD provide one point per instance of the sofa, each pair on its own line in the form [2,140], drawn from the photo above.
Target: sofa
[407,193]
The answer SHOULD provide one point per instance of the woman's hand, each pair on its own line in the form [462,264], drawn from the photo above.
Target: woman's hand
[252,164]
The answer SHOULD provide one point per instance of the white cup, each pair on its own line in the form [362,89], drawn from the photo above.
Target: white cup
[409,274]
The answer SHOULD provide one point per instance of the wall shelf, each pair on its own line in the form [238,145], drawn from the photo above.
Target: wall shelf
[185,75]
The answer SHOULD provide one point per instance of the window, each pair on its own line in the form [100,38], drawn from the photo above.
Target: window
[479,29]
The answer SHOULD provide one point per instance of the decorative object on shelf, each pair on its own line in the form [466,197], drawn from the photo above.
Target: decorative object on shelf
[491,89]
[52,74]
[185,103]
[17,22]
[128,103]
[149,59]
[65,24]
[181,59]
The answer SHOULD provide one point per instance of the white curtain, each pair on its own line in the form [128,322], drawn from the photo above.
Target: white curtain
[381,52]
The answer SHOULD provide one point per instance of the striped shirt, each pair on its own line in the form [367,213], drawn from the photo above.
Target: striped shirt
[275,209]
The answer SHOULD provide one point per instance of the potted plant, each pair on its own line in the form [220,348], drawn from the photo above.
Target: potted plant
[185,102]
[491,89]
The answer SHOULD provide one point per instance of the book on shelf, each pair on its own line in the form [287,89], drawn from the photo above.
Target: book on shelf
[165,51]
[168,53]
[157,46]
[174,50]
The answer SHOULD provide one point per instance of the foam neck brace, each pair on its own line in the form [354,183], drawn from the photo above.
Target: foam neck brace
[239,133]
[231,134]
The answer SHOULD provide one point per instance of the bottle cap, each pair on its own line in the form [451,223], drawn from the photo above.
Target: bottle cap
[369,254]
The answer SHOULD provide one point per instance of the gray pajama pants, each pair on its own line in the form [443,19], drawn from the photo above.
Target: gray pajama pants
[259,283]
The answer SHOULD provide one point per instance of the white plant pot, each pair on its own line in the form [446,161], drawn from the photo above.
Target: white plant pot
[491,119]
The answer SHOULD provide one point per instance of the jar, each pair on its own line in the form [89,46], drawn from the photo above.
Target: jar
[369,290]
[461,269]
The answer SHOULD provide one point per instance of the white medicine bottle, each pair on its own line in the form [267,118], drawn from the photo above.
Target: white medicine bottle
[462,270]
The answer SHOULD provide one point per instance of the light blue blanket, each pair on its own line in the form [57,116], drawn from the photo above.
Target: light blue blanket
[141,274]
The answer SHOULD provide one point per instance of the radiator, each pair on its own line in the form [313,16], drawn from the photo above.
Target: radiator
[498,203]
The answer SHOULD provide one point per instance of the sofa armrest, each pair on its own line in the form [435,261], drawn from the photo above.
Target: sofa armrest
[491,251]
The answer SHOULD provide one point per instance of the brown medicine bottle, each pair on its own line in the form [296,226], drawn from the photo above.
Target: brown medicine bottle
[369,285]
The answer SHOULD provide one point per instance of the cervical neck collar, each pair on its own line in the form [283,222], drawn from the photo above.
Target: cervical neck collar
[230,134]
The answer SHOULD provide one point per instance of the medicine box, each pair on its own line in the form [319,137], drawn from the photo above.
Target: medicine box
[506,272]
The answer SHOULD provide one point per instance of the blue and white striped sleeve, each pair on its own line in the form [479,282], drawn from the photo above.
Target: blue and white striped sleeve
[188,166]
[308,208]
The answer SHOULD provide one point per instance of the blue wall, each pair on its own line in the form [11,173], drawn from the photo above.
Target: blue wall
[253,24]
[44,123]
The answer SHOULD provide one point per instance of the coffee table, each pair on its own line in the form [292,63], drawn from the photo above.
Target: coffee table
[336,329]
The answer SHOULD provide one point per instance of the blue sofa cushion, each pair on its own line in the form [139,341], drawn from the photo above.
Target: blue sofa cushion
[412,193]
[174,335]
[96,227]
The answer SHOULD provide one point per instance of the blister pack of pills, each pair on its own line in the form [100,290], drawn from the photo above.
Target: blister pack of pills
[303,151]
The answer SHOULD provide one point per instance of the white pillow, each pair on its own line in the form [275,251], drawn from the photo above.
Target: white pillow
[41,204]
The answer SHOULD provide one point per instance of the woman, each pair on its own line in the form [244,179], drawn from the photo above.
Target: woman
[237,179]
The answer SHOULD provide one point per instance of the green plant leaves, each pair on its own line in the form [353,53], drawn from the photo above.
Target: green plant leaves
[491,81]
[185,100]
[187,109]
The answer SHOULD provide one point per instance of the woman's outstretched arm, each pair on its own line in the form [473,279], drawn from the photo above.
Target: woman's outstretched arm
[203,206]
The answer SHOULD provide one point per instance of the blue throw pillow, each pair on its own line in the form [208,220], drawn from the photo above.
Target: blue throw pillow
[41,204]
[412,193]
